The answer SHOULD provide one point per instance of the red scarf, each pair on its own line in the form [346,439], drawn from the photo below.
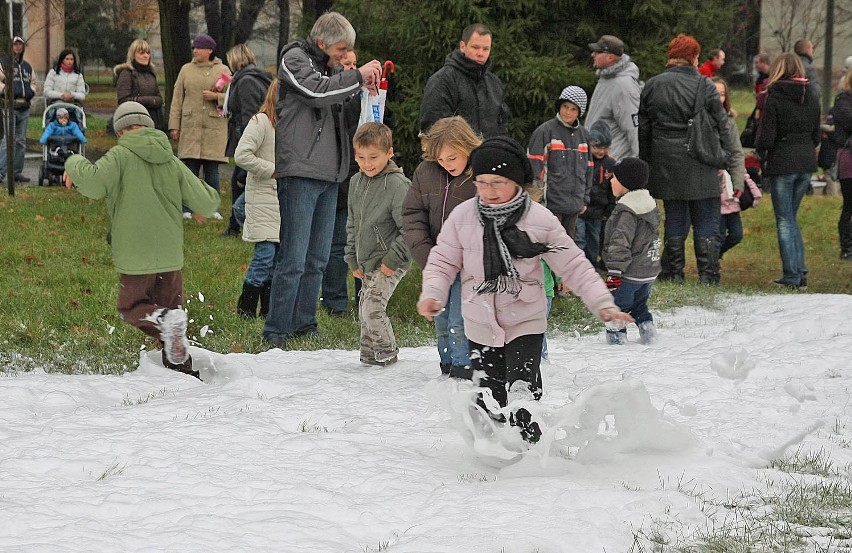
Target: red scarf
[68,68]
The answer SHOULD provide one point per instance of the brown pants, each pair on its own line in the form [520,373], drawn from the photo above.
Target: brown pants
[140,295]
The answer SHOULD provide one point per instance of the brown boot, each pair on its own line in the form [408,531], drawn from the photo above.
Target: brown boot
[185,367]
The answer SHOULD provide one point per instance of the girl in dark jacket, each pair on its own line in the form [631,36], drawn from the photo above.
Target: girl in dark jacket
[787,140]
[842,112]
[136,81]
[439,185]
[689,188]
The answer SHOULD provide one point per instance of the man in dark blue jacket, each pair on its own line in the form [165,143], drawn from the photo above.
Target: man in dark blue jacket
[22,80]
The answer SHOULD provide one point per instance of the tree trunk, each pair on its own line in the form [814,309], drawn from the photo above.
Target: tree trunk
[174,26]
[284,25]
[249,11]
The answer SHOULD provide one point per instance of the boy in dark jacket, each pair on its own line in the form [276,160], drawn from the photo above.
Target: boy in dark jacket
[375,250]
[632,248]
[559,153]
[601,199]
[145,187]
[17,73]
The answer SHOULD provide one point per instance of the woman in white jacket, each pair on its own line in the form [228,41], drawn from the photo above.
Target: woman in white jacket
[64,82]
[256,154]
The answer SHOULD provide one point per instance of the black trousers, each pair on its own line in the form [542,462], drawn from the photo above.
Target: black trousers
[518,363]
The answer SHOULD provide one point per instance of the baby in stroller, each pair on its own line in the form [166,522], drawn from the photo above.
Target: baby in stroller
[62,137]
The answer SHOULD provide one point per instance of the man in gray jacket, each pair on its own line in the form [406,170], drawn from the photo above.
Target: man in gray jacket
[615,99]
[311,158]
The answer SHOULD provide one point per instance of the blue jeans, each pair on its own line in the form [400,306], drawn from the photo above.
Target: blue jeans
[307,209]
[632,298]
[262,264]
[703,215]
[335,294]
[453,347]
[730,231]
[238,210]
[787,194]
[588,238]
[22,119]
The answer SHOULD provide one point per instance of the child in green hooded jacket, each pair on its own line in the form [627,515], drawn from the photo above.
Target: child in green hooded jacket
[145,187]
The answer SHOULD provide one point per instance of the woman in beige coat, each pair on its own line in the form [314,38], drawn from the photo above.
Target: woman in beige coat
[256,154]
[194,120]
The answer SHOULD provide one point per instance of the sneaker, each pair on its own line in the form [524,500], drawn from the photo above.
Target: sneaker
[647,332]
[187,215]
[378,363]
[217,216]
[781,284]
[172,325]
[21,178]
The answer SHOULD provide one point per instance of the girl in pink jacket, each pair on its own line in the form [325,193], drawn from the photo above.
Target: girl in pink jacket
[495,240]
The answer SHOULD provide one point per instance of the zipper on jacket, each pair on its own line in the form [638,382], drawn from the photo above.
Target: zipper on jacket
[446,195]
[319,133]
[379,237]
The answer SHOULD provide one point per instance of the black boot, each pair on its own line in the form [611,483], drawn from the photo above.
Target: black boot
[845,230]
[707,259]
[265,291]
[247,304]
[673,260]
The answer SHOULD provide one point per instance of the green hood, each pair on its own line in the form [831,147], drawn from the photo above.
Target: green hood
[151,145]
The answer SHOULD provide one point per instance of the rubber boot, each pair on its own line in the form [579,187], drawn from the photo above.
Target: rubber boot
[673,260]
[707,259]
[844,228]
[247,304]
[265,292]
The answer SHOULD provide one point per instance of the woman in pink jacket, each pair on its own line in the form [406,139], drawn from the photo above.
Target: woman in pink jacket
[495,240]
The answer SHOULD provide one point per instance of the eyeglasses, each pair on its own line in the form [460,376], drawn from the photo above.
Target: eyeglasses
[496,184]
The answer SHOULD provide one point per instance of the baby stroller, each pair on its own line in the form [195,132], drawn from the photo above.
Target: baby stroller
[58,149]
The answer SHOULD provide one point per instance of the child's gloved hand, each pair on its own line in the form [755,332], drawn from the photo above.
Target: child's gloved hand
[613,282]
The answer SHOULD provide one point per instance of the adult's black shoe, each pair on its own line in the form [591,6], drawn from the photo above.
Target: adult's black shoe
[21,178]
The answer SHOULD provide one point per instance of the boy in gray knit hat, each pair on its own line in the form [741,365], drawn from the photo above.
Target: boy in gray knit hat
[145,187]
[559,153]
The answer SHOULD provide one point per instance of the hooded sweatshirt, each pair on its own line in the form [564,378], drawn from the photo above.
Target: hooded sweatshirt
[22,77]
[374,225]
[145,187]
[467,88]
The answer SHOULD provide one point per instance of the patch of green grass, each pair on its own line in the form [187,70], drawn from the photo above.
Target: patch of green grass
[801,511]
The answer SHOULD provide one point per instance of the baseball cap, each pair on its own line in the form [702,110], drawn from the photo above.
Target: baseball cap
[608,43]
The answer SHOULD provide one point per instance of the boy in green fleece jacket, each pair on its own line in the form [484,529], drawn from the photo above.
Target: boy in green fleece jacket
[145,187]
[375,250]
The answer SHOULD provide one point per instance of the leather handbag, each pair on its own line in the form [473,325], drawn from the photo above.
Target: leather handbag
[702,138]
[749,134]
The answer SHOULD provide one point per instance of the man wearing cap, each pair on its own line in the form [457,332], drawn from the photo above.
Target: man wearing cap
[145,185]
[615,99]
[466,86]
[24,90]
[311,158]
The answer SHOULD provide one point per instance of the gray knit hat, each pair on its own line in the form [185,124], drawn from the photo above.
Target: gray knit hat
[131,113]
[575,95]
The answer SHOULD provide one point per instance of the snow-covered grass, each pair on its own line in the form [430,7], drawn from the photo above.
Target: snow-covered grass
[731,433]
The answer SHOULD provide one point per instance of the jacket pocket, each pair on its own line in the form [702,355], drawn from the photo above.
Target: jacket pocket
[380,238]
